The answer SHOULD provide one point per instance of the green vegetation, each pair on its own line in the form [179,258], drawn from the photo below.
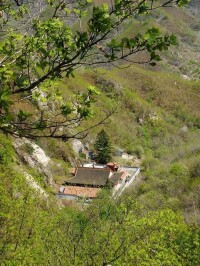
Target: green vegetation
[39,233]
[144,227]
[6,150]
[147,126]
[33,63]
[103,148]
[156,222]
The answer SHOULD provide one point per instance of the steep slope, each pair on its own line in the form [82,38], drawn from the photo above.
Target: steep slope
[155,110]
[157,122]
[185,23]
[33,228]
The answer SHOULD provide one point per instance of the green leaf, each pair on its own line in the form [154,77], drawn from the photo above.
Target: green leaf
[66,110]
[92,90]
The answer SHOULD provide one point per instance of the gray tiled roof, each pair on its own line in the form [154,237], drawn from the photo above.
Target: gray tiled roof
[116,177]
[90,176]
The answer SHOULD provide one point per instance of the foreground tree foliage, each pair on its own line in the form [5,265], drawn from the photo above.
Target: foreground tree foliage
[45,41]
[34,231]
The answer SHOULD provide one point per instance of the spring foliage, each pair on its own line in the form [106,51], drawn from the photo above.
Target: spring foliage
[38,48]
[107,232]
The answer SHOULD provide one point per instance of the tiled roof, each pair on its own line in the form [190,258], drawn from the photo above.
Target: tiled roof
[90,176]
[81,191]
[118,176]
[111,164]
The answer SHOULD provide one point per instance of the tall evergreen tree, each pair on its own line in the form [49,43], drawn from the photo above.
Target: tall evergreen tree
[103,147]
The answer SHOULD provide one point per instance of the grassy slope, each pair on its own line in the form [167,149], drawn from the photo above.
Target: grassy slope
[161,143]
[152,106]
[185,23]
[169,156]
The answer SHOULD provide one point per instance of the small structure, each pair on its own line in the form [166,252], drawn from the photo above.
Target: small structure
[112,166]
[75,192]
[90,178]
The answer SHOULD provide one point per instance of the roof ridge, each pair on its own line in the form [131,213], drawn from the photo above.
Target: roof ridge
[94,168]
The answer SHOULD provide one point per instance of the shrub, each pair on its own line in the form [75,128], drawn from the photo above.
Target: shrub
[178,169]
[6,150]
[161,151]
[173,203]
[152,200]
[195,169]
[149,163]
[60,171]
[139,151]
[144,132]
[27,148]
[129,146]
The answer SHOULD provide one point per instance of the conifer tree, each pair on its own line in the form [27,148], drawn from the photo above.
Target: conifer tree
[103,147]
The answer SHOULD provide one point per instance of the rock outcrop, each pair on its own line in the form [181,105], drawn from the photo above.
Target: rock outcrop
[35,157]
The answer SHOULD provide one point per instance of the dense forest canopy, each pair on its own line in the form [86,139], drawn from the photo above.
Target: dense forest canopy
[105,233]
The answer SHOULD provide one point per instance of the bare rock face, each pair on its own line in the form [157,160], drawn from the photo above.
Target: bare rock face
[77,146]
[127,156]
[184,129]
[35,185]
[35,157]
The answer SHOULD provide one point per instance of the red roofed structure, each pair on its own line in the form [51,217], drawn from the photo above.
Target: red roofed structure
[113,166]
[90,179]
[85,192]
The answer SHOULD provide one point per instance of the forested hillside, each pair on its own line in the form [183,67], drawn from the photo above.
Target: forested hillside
[67,71]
